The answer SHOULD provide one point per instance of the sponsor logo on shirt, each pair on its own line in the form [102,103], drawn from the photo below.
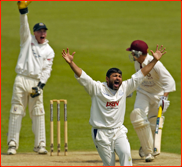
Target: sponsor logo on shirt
[121,93]
[112,104]
[148,83]
[106,94]
[35,54]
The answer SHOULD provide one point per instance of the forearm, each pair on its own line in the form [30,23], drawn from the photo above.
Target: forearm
[24,28]
[149,67]
[166,94]
[76,69]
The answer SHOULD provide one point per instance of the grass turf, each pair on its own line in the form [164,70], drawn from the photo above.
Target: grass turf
[99,32]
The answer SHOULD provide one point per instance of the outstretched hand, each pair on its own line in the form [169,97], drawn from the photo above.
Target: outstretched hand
[67,56]
[159,52]
[69,60]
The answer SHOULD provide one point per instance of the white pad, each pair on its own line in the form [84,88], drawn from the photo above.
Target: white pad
[16,114]
[142,127]
[38,126]
[153,124]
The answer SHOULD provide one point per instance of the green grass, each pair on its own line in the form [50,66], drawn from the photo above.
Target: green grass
[99,32]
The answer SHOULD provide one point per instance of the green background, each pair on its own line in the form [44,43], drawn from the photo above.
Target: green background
[99,32]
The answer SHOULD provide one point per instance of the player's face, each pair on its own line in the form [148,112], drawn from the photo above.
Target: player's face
[134,56]
[139,59]
[40,35]
[114,81]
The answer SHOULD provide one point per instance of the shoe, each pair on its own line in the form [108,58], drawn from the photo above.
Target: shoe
[149,158]
[141,153]
[40,149]
[12,148]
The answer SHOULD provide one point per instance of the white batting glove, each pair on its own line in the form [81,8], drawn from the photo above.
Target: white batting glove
[164,103]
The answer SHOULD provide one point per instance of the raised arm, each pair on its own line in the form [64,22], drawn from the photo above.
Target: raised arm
[157,56]
[69,60]
[24,26]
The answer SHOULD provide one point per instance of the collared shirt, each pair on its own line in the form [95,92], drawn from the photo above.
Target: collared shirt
[158,81]
[108,109]
[35,60]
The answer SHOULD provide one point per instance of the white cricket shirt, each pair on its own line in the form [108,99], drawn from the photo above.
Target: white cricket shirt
[107,109]
[35,60]
[158,81]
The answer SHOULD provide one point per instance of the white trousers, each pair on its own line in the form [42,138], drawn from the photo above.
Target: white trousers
[109,142]
[20,99]
[21,95]
[148,103]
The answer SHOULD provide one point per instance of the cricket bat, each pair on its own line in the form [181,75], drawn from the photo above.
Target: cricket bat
[158,133]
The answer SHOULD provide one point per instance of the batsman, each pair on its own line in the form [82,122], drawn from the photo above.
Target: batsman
[33,69]
[152,95]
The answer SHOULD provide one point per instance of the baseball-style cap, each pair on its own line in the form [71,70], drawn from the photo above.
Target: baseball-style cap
[139,45]
[39,26]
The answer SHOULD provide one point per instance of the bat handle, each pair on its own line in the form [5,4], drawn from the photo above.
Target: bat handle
[160,111]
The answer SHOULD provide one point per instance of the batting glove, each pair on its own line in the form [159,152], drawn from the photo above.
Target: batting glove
[36,91]
[164,103]
[22,6]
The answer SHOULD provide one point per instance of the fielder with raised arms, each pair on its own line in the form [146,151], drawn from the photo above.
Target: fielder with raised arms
[152,93]
[33,69]
[108,108]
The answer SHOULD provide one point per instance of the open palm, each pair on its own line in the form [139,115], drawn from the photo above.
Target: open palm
[159,52]
[67,56]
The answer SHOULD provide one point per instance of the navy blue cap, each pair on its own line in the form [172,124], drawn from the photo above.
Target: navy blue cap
[39,26]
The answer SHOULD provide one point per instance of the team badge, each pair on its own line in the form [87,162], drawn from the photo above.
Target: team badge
[41,24]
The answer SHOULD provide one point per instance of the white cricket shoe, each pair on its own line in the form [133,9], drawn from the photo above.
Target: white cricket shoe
[40,149]
[12,148]
[149,158]
[141,153]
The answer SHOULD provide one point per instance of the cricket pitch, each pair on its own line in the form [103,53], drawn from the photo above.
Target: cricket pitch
[82,158]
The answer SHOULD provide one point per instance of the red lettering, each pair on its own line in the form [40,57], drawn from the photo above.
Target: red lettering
[113,104]
[108,104]
[117,103]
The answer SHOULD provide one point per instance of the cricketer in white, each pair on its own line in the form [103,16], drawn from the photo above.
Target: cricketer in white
[152,92]
[108,108]
[33,69]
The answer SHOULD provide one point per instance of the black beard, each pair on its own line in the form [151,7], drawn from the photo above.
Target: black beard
[110,85]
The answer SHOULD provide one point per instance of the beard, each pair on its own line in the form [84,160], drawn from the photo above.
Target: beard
[111,85]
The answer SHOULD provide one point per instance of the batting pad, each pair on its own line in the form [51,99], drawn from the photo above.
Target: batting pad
[38,128]
[153,124]
[15,119]
[142,127]
[14,128]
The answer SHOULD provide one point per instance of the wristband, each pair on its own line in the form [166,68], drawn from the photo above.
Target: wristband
[23,11]
[41,85]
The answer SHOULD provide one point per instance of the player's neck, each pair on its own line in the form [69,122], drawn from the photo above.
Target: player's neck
[141,59]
